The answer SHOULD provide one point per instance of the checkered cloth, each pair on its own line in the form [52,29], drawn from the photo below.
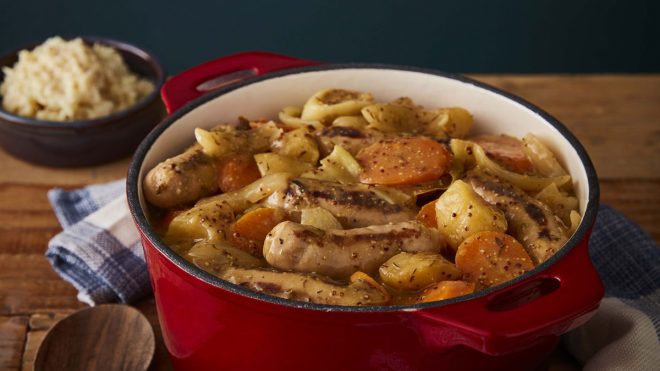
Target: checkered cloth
[99,253]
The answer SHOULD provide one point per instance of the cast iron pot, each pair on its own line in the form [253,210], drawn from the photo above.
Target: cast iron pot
[209,323]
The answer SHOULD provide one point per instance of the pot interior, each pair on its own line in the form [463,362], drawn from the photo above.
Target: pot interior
[493,111]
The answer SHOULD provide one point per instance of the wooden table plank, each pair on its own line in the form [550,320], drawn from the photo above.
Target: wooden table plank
[638,199]
[616,117]
[29,285]
[13,332]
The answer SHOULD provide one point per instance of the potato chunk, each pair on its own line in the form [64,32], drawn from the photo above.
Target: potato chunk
[461,212]
[455,122]
[224,140]
[414,271]
[207,221]
[298,144]
[272,163]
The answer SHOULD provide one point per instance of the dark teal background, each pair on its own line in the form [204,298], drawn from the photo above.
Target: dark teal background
[451,35]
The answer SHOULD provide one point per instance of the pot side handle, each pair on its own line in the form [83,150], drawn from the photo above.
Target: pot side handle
[222,72]
[559,299]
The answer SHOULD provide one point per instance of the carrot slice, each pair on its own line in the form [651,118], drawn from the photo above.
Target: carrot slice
[401,161]
[249,231]
[445,290]
[427,214]
[236,172]
[506,151]
[489,258]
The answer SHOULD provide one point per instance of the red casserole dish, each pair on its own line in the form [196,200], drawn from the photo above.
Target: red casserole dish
[209,323]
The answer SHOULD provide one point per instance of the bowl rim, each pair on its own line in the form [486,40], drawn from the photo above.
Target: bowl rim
[140,219]
[122,46]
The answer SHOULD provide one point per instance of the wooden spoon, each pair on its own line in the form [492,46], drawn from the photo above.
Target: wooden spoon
[105,337]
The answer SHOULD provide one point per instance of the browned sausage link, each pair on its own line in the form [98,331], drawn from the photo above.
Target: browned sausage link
[340,253]
[301,287]
[354,205]
[530,221]
[182,179]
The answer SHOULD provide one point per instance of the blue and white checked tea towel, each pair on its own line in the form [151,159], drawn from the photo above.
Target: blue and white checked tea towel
[99,252]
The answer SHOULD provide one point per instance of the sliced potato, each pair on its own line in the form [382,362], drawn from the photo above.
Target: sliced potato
[489,258]
[456,122]
[461,212]
[220,142]
[272,163]
[326,105]
[298,144]
[414,271]
[208,221]
[576,218]
[320,218]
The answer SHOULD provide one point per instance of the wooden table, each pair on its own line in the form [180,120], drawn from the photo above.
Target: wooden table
[616,117]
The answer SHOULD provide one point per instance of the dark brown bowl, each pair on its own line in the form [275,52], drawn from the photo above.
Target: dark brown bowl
[86,142]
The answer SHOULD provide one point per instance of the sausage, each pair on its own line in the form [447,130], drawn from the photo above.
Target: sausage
[182,179]
[340,253]
[530,221]
[507,151]
[241,268]
[354,205]
[301,287]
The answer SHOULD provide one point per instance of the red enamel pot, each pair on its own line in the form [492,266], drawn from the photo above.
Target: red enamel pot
[210,324]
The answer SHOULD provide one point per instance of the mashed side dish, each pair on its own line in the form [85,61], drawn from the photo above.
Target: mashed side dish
[351,201]
[69,80]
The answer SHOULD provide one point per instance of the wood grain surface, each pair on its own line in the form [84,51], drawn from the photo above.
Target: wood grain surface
[616,117]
